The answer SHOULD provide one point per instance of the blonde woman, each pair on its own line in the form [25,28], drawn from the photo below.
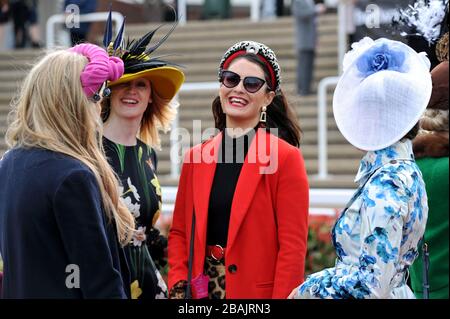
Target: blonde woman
[61,222]
[139,106]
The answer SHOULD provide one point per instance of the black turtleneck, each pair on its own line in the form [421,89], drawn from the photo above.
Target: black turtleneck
[231,158]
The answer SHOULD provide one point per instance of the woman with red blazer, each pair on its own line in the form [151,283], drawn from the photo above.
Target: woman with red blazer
[247,188]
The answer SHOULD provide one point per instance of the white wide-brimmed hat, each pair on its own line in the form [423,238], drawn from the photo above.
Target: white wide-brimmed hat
[383,92]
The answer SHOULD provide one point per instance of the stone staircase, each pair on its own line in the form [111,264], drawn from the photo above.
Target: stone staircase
[199,47]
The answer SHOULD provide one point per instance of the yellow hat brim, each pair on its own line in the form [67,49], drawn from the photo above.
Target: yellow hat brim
[166,81]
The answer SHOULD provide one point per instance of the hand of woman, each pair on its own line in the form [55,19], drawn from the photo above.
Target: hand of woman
[293,293]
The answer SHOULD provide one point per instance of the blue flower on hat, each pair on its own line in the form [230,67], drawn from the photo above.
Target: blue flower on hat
[379,58]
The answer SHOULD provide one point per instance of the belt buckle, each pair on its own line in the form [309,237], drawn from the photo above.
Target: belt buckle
[217,249]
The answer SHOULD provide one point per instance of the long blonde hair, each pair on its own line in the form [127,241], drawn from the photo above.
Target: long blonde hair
[158,116]
[53,113]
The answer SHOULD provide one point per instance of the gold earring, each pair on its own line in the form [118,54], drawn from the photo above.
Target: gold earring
[263,116]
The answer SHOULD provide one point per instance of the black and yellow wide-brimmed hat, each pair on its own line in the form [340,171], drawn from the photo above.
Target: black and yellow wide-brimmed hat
[166,78]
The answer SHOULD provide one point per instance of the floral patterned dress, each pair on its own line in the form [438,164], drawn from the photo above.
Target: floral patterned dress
[141,193]
[377,235]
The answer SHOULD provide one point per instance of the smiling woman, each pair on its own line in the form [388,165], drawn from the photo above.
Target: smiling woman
[140,105]
[129,100]
[250,204]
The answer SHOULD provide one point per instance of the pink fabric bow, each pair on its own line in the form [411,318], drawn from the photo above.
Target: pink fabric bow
[101,67]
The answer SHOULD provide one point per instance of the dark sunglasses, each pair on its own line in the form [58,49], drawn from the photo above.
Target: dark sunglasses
[252,84]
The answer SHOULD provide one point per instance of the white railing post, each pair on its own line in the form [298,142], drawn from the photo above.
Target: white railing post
[182,12]
[50,31]
[174,165]
[322,128]
[255,10]
[342,33]
[90,17]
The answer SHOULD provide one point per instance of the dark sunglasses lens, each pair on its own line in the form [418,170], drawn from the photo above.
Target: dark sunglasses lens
[253,84]
[230,80]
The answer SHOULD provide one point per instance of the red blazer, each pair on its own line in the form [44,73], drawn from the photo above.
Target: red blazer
[268,228]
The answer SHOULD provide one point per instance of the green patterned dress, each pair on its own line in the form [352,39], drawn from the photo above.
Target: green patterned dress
[141,193]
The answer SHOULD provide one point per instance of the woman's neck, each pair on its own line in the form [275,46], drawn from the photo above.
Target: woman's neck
[236,130]
[121,131]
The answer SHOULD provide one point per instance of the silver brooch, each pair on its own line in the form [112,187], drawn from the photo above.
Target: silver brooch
[253,48]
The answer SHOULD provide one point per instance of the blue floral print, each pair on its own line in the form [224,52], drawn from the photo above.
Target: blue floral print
[376,237]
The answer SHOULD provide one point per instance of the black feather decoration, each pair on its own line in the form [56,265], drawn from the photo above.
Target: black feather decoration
[137,67]
[157,45]
[135,55]
[119,38]
[108,30]
[138,47]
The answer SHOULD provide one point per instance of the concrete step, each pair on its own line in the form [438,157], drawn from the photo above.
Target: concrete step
[288,66]
[324,21]
[190,54]
[7,76]
[249,31]
[219,47]
[24,54]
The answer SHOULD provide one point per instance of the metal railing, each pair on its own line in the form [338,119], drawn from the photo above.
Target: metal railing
[324,84]
[90,17]
[322,128]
